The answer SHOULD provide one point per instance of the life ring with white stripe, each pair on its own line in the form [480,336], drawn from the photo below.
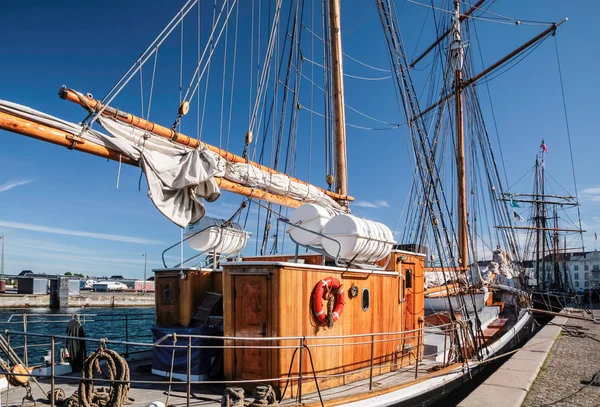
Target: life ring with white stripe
[328,285]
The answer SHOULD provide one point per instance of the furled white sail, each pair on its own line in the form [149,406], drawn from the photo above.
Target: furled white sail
[178,177]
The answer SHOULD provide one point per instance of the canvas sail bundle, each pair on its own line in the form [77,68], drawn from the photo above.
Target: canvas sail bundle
[178,177]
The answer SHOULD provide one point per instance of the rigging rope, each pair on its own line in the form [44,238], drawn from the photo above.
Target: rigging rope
[345,54]
[137,65]
[382,78]
[564,103]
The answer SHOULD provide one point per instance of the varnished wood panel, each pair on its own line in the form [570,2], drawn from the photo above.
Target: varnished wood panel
[185,293]
[251,304]
[291,292]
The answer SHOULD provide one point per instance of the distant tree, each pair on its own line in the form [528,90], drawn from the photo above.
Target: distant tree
[68,273]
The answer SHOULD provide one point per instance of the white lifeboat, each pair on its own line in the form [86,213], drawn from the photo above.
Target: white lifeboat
[357,239]
[209,234]
[307,219]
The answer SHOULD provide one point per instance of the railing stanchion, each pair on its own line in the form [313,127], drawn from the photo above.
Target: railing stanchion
[419,333]
[372,357]
[25,356]
[126,335]
[52,371]
[189,373]
[300,363]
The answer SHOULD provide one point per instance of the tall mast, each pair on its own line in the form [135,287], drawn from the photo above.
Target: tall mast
[537,222]
[457,60]
[565,280]
[339,113]
[543,221]
[557,283]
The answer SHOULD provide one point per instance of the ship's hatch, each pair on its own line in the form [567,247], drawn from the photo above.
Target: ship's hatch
[251,320]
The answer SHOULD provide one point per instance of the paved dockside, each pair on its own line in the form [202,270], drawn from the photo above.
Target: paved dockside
[574,357]
[548,370]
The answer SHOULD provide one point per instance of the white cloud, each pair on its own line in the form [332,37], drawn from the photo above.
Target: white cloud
[592,194]
[365,204]
[14,183]
[103,236]
[374,204]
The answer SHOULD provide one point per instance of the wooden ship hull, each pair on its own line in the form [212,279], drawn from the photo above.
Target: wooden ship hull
[384,349]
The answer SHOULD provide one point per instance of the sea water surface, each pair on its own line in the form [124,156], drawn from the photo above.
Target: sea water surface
[119,324]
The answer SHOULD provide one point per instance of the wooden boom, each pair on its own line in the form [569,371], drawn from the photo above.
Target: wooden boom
[91,104]
[62,138]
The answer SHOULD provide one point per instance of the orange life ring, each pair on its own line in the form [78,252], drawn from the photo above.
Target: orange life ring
[331,284]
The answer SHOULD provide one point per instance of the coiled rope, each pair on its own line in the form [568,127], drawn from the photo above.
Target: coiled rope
[117,371]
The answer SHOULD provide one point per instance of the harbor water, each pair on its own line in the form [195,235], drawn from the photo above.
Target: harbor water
[117,324]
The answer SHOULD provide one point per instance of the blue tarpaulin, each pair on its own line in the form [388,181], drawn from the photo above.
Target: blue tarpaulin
[201,359]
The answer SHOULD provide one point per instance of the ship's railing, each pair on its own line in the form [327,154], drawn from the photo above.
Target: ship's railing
[416,354]
[120,325]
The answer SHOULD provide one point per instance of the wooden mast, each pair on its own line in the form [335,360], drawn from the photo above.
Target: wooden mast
[543,221]
[458,58]
[339,113]
[537,223]
[557,284]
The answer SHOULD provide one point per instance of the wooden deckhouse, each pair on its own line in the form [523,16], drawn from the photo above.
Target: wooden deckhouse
[271,297]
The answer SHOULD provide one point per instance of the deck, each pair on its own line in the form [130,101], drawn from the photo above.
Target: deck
[210,395]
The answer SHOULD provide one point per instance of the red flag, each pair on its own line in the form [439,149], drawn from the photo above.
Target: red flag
[543,146]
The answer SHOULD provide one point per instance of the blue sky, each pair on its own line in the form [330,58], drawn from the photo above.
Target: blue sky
[61,211]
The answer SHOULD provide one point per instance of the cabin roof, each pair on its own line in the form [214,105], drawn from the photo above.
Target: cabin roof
[306,266]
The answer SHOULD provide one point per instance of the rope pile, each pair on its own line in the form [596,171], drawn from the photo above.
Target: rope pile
[264,396]
[233,397]
[117,372]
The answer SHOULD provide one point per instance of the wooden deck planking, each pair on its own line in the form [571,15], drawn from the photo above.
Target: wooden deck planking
[210,396]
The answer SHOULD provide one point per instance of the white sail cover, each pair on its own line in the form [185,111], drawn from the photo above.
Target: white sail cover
[178,177]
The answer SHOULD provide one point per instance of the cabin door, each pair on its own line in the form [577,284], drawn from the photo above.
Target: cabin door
[167,299]
[251,304]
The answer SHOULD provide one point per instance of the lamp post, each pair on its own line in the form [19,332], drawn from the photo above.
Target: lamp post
[145,261]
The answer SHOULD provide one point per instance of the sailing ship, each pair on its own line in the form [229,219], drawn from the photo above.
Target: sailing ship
[546,235]
[345,323]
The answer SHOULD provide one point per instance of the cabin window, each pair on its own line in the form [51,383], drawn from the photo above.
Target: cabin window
[167,294]
[408,278]
[366,299]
